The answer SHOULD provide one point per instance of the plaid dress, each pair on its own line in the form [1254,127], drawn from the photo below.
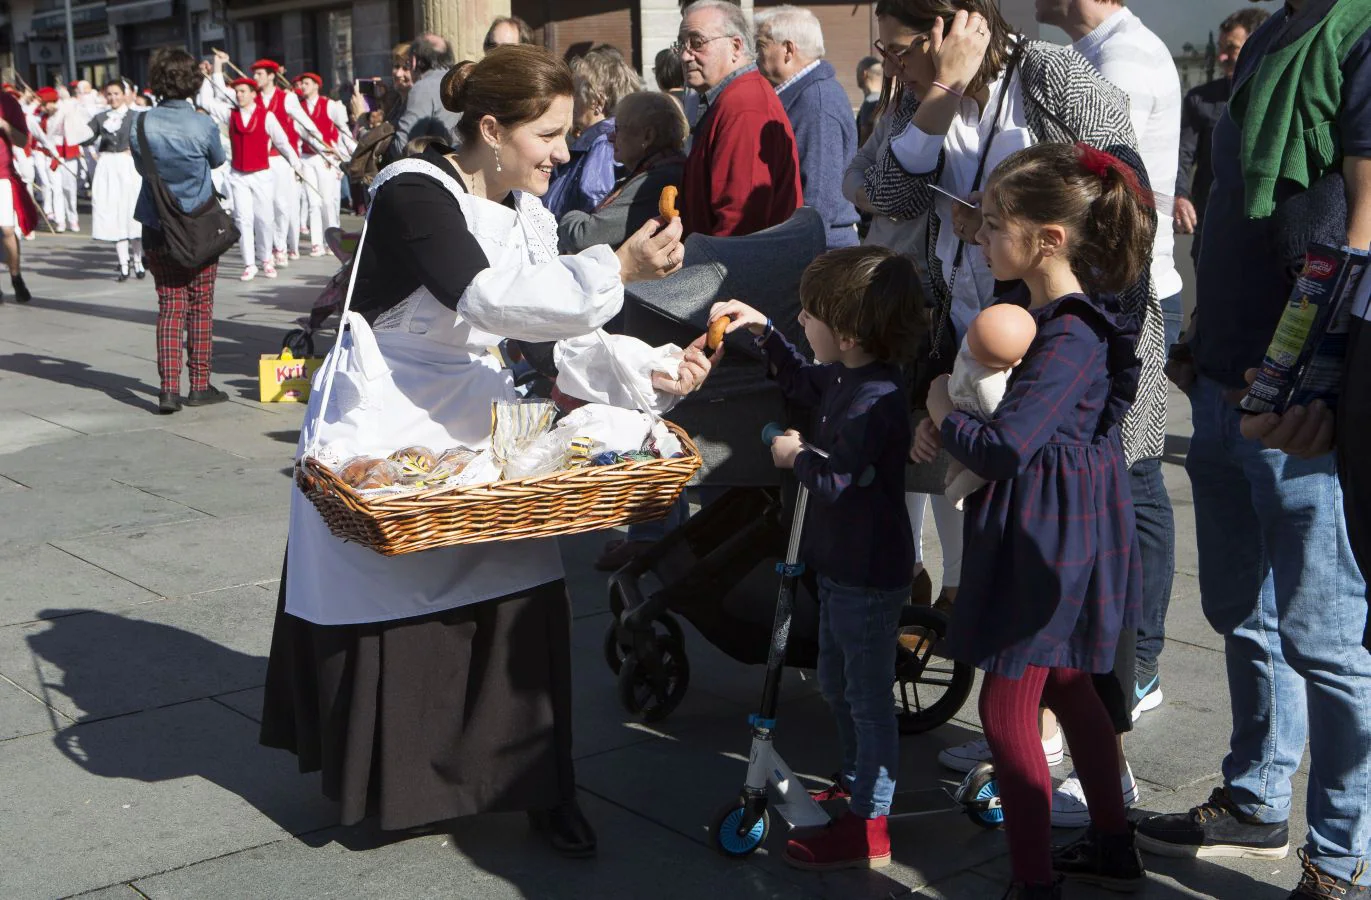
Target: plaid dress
[1050,573]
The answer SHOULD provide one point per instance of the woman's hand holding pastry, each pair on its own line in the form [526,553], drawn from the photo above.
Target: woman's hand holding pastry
[695,368]
[651,254]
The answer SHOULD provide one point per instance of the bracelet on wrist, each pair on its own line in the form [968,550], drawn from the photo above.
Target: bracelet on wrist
[766,332]
[960,95]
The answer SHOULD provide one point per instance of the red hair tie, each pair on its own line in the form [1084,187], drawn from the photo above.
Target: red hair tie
[1099,164]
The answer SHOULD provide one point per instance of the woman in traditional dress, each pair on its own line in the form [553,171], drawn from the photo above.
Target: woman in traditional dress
[433,685]
[114,191]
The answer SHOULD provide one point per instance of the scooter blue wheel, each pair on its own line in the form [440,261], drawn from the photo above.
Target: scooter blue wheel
[988,818]
[728,835]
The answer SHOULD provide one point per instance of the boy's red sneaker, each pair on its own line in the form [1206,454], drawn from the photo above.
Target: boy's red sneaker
[849,842]
[835,791]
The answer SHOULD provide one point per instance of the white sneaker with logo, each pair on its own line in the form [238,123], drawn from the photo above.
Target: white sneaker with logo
[965,757]
[1147,697]
[1069,809]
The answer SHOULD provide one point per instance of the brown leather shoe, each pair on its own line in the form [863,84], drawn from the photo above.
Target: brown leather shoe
[922,594]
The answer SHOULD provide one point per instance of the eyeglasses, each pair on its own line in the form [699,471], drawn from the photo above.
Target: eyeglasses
[695,43]
[898,56]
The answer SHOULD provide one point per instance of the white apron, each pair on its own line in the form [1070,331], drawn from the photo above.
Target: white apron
[113,195]
[424,375]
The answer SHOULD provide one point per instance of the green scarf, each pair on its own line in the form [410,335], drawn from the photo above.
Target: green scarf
[1288,109]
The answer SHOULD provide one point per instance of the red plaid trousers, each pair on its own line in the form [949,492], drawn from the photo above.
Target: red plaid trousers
[185,303]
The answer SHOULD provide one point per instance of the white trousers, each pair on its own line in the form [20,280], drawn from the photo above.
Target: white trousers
[947,519]
[323,206]
[253,213]
[286,197]
[65,181]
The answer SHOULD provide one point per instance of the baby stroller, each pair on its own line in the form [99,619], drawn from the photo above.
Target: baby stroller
[300,341]
[718,569]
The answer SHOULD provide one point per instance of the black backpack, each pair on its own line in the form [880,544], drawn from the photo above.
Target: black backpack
[192,239]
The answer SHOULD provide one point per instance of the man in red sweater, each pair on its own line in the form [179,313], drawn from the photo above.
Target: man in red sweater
[743,174]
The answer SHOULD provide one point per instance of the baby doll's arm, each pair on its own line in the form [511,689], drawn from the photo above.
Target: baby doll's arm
[1068,359]
[876,417]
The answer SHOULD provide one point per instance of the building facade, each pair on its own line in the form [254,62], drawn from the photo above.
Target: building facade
[348,39]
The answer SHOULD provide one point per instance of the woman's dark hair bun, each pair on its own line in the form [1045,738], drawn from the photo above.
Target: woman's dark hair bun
[453,89]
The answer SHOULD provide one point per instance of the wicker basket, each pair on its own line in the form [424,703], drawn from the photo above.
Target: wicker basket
[569,502]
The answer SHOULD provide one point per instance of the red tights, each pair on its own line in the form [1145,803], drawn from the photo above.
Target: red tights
[1009,714]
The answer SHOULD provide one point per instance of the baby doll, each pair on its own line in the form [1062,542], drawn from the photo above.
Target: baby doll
[996,341]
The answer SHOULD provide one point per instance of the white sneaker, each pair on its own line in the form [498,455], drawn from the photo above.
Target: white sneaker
[1068,800]
[269,269]
[281,259]
[965,757]
[317,251]
[249,273]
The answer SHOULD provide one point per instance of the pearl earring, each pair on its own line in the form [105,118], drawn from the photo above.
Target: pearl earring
[498,167]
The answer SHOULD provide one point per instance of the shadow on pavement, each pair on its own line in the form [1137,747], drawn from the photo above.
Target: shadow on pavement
[129,391]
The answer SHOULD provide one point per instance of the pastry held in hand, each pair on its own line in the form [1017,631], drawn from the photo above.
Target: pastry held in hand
[996,341]
[666,203]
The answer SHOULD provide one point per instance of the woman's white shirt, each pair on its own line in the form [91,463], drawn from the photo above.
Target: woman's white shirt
[917,152]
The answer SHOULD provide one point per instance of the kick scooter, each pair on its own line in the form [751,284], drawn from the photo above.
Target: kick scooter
[742,826]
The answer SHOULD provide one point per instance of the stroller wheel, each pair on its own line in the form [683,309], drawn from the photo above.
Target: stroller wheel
[652,689]
[727,834]
[615,651]
[980,795]
[299,342]
[929,687]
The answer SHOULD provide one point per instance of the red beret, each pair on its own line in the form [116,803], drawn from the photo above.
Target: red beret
[244,82]
[267,64]
[47,94]
[317,79]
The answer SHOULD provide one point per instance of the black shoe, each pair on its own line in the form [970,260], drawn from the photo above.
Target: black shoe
[565,828]
[1215,828]
[168,403]
[1020,891]
[1110,861]
[1319,885]
[140,273]
[207,397]
[21,290]
[123,276]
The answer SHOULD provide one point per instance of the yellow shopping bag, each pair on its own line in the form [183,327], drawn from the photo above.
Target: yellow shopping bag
[285,379]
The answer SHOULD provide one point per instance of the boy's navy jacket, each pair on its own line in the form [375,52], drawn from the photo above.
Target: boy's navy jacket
[857,535]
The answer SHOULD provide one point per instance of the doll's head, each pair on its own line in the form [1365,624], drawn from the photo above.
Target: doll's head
[999,336]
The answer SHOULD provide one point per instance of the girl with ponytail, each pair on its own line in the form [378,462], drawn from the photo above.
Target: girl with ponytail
[1052,576]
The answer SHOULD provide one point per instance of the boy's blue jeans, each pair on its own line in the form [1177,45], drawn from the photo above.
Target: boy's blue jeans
[857,631]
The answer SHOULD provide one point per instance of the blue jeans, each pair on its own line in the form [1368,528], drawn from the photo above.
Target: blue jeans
[857,631]
[1173,311]
[1157,546]
[1278,581]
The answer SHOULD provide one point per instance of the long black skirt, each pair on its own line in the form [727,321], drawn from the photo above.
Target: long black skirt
[429,718]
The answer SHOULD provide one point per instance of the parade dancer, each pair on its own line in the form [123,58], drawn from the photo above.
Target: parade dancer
[17,212]
[115,187]
[285,108]
[253,134]
[66,128]
[322,172]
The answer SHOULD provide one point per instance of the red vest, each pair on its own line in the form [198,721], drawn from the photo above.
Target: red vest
[319,116]
[277,107]
[249,142]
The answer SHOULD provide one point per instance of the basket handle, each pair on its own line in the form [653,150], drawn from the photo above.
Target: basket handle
[332,370]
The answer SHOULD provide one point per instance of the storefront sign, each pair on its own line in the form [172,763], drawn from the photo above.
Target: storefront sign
[132,12]
[56,20]
[45,53]
[97,49]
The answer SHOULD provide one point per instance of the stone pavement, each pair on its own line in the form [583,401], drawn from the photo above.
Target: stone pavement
[137,562]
